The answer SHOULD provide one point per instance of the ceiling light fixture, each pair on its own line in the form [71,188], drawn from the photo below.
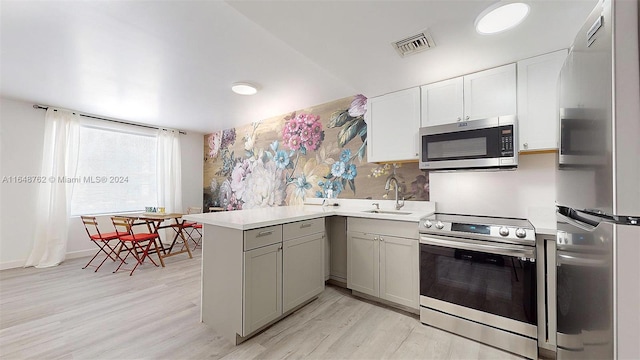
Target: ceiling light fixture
[501,16]
[244,88]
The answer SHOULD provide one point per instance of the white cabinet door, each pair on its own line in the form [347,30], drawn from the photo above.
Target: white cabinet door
[392,126]
[538,101]
[399,271]
[363,263]
[262,287]
[490,93]
[442,102]
[302,270]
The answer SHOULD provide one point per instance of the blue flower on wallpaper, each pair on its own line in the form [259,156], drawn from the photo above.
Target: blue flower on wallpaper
[350,172]
[345,156]
[337,169]
[282,159]
[301,186]
[335,186]
[342,172]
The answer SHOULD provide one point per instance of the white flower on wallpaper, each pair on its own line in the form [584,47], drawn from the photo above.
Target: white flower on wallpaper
[264,186]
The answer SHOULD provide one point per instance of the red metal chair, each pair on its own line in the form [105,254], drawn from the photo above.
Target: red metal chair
[136,244]
[102,241]
[193,230]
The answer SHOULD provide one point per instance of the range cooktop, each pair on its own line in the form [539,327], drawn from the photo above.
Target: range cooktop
[500,229]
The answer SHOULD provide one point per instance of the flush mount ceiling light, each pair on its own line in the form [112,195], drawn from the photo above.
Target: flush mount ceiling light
[501,16]
[244,88]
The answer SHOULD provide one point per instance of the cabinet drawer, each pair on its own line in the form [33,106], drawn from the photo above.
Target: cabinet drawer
[403,229]
[302,228]
[262,237]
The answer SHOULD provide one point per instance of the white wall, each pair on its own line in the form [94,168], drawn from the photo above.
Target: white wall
[528,192]
[21,133]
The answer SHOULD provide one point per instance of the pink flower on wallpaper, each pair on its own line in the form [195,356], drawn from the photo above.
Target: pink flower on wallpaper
[293,126]
[228,137]
[293,142]
[215,141]
[303,132]
[358,106]
[310,119]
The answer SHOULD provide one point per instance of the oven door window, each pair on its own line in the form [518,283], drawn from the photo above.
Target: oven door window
[483,143]
[496,284]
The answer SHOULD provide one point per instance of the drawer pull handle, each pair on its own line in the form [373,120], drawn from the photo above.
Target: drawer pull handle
[305,226]
[265,233]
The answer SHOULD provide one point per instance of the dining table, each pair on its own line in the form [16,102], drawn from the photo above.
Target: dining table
[157,221]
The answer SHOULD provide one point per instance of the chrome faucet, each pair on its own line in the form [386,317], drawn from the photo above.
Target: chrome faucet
[387,187]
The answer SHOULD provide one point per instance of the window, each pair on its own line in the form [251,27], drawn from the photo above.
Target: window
[116,169]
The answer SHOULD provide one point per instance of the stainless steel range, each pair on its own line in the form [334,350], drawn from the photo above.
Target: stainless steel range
[478,279]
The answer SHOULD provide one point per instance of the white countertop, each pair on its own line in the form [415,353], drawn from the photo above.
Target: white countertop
[257,218]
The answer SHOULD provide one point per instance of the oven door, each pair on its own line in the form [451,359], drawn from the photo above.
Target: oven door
[486,282]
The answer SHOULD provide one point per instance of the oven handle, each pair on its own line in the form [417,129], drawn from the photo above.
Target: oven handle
[506,249]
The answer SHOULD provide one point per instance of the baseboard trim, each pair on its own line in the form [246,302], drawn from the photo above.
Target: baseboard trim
[70,255]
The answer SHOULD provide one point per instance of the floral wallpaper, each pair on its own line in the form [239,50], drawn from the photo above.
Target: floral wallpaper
[316,152]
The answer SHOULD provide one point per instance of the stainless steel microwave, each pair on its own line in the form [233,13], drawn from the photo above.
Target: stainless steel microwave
[484,143]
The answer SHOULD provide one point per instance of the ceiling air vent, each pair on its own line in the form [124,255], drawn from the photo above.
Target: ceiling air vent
[414,44]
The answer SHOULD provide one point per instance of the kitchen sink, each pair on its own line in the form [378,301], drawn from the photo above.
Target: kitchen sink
[390,212]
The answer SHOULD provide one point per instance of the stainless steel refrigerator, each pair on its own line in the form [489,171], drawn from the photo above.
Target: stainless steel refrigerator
[598,189]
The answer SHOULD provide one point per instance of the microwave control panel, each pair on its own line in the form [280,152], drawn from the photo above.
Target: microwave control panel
[506,141]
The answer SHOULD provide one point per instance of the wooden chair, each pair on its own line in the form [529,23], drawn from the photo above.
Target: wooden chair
[136,244]
[102,241]
[193,230]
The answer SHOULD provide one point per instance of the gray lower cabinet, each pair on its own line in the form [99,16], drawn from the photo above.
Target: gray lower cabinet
[337,234]
[252,278]
[283,268]
[381,265]
[262,287]
[303,270]
[362,263]
[399,270]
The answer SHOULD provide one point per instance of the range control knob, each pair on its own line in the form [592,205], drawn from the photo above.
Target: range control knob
[439,225]
[427,223]
[504,231]
[521,233]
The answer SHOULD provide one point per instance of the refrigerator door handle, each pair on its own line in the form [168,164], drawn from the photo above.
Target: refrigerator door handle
[575,218]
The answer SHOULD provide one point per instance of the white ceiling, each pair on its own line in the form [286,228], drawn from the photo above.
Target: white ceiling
[171,63]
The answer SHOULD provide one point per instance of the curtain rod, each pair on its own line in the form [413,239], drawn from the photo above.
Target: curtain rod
[36,106]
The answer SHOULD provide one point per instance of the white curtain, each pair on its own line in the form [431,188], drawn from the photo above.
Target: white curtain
[59,162]
[169,171]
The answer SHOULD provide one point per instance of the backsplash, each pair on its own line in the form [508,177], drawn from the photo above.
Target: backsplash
[314,152]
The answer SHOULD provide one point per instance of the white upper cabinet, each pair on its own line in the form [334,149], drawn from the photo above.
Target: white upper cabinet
[490,93]
[480,95]
[393,121]
[538,101]
[442,102]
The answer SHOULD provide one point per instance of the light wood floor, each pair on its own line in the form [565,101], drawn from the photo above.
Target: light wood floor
[69,313]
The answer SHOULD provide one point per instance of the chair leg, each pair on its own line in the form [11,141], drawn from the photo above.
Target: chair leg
[129,252]
[199,240]
[94,256]
[103,245]
[145,254]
